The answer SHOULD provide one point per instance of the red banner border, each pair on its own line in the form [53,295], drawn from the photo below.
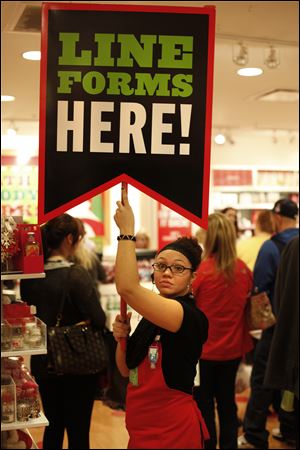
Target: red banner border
[210,11]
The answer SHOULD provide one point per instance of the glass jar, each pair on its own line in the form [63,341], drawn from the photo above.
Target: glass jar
[7,407]
[5,336]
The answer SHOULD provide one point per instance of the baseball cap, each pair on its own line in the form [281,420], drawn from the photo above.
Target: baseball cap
[286,207]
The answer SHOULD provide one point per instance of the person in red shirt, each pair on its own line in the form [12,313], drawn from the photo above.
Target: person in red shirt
[162,353]
[221,290]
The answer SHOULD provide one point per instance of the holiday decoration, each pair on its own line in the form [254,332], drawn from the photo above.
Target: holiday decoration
[9,241]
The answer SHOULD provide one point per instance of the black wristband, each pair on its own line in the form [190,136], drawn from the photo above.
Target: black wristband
[126,237]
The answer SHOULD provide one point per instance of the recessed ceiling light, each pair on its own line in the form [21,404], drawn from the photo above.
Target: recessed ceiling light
[32,56]
[220,139]
[250,71]
[7,98]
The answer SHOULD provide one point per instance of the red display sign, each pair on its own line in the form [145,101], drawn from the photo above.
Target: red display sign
[232,177]
[171,226]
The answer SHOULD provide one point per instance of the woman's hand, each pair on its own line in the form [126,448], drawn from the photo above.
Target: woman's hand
[121,329]
[124,217]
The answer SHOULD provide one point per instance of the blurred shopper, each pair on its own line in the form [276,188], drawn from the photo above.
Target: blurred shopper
[221,290]
[283,363]
[231,214]
[162,354]
[67,399]
[247,249]
[88,258]
[142,240]
[285,214]
[200,235]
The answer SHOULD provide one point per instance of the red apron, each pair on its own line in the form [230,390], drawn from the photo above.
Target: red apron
[158,417]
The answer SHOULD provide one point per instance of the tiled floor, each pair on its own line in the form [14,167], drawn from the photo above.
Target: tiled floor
[108,427]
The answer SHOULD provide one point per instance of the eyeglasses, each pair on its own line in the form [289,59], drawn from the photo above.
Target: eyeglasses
[176,269]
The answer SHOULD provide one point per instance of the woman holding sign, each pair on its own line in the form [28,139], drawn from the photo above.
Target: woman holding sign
[161,355]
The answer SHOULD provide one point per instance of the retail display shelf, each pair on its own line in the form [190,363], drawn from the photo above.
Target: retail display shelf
[36,351]
[32,423]
[8,292]
[21,276]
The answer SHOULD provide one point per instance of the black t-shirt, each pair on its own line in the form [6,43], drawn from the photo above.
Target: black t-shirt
[180,351]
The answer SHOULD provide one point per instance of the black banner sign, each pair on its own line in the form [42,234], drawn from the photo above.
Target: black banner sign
[126,95]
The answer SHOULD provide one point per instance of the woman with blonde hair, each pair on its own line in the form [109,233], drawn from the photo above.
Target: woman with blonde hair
[221,289]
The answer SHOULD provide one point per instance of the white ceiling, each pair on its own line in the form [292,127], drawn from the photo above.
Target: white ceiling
[235,107]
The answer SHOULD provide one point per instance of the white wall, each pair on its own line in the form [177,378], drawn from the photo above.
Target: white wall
[254,150]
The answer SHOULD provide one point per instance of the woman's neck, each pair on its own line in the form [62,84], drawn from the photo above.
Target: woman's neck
[57,255]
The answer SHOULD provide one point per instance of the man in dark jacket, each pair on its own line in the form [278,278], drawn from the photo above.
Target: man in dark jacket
[283,363]
[285,214]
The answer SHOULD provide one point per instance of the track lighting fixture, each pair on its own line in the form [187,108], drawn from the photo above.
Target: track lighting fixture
[240,56]
[272,59]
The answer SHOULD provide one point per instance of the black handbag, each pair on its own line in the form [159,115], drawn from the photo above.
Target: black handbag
[77,349]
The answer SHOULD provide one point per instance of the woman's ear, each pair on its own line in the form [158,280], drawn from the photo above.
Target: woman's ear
[69,239]
[194,275]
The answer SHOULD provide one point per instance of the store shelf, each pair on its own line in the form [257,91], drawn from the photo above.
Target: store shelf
[37,351]
[21,276]
[8,292]
[32,423]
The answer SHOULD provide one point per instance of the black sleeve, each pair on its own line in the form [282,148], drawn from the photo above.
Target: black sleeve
[194,327]
[84,296]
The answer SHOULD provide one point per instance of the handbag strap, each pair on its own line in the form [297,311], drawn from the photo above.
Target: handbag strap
[65,293]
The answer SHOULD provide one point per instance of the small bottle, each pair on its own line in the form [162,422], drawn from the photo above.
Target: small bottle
[32,247]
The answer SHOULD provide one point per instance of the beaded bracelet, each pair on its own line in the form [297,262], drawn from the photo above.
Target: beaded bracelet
[126,237]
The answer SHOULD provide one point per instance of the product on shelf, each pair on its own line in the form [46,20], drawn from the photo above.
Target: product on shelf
[16,439]
[30,257]
[32,247]
[8,399]
[28,404]
[21,329]
[5,336]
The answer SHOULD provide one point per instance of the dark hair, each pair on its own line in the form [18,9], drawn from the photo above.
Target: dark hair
[236,226]
[189,247]
[54,232]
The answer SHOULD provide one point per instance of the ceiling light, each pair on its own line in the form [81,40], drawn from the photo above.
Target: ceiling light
[241,57]
[280,95]
[220,139]
[11,132]
[7,98]
[32,55]
[272,59]
[250,72]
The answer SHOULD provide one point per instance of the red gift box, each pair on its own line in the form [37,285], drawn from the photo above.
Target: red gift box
[30,258]
[16,311]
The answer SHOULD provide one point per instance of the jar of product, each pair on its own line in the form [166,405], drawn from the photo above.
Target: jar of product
[32,247]
[7,407]
[5,336]
[17,337]
[33,335]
